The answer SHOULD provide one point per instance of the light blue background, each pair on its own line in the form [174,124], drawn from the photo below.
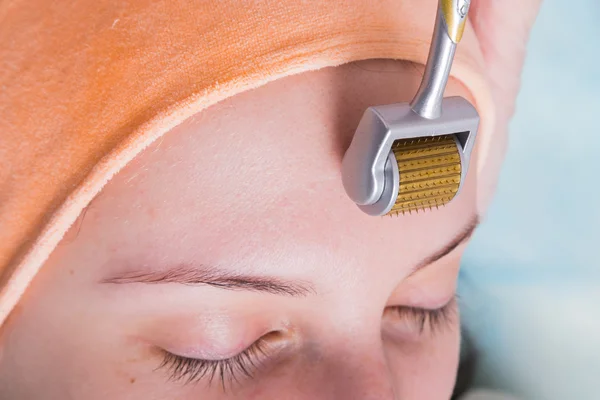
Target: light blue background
[530,286]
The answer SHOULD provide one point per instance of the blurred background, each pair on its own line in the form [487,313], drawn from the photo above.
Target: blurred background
[530,285]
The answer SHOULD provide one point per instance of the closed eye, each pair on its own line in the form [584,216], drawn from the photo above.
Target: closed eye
[191,370]
[424,320]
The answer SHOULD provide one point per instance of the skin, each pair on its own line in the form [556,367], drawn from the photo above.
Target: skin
[251,186]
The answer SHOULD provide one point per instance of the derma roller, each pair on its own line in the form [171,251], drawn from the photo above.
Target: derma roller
[414,156]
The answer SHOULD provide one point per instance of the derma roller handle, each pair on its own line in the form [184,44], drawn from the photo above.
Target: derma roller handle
[449,27]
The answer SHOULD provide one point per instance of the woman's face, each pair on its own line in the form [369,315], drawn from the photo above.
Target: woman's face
[226,262]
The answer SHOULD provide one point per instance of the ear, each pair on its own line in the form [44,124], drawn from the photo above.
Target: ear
[502,28]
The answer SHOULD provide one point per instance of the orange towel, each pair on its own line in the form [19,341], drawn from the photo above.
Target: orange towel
[86,85]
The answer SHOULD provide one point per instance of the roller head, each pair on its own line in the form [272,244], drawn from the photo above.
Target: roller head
[401,162]
[430,172]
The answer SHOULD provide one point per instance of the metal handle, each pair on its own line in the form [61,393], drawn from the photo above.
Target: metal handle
[449,27]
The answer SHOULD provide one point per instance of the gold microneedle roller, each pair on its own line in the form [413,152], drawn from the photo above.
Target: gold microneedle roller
[414,156]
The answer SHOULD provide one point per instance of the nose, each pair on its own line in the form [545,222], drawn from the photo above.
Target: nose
[366,376]
[358,373]
[365,385]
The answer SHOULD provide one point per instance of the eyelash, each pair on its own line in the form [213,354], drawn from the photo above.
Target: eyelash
[191,370]
[435,320]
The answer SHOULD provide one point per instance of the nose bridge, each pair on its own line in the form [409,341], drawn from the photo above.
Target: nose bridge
[359,372]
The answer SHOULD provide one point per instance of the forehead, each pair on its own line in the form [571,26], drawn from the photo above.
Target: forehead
[255,182]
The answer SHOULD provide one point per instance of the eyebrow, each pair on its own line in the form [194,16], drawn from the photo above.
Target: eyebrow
[464,235]
[215,277]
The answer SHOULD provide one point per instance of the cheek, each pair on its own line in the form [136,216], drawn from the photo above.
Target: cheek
[427,370]
[49,357]
[60,345]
